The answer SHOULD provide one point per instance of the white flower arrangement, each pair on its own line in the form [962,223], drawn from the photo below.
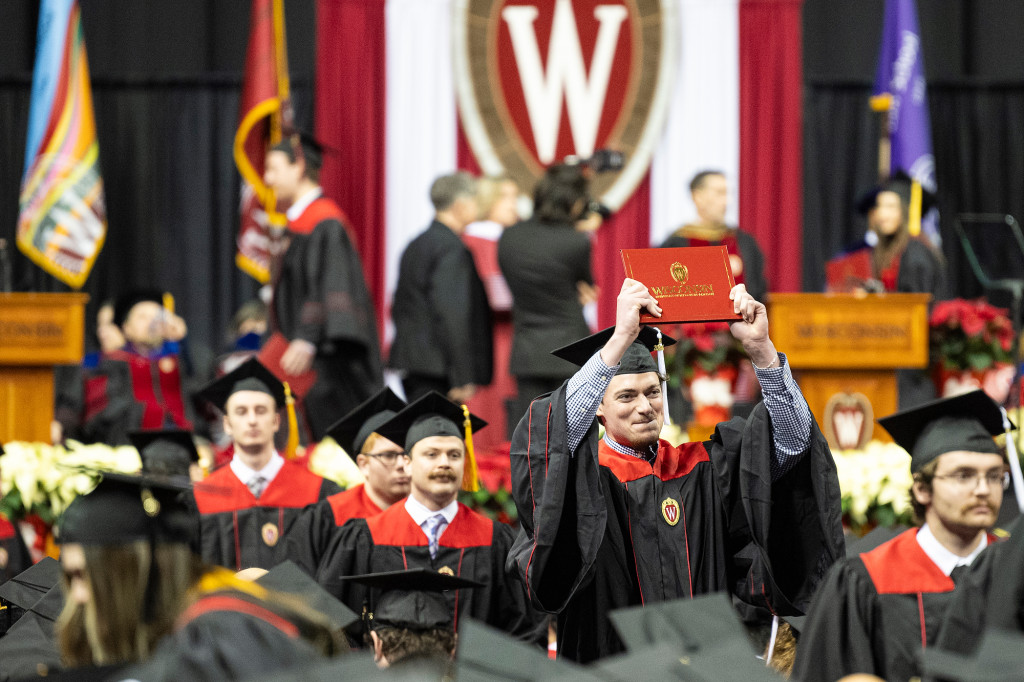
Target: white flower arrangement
[330,460]
[42,479]
[875,484]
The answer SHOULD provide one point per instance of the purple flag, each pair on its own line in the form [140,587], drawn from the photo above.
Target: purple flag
[901,75]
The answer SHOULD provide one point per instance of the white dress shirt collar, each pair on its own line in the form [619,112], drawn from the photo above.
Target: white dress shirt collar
[420,513]
[942,557]
[302,203]
[268,472]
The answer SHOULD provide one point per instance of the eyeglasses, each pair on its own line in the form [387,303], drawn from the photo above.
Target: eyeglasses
[968,480]
[390,457]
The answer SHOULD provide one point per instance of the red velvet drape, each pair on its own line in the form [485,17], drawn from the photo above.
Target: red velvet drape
[771,135]
[350,114]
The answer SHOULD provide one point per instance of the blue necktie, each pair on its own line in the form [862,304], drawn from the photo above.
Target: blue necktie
[433,527]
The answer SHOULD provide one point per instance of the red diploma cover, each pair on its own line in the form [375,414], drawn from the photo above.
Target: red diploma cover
[845,273]
[270,355]
[691,284]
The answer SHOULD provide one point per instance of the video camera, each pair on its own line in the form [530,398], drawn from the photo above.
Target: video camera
[601,161]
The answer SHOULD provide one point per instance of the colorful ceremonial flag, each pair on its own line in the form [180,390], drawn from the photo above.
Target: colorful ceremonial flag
[63,219]
[265,112]
[900,76]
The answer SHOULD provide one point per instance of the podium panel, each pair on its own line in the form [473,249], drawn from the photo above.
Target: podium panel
[844,350]
[37,331]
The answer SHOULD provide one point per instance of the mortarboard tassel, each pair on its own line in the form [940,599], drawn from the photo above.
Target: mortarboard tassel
[469,475]
[914,210]
[169,302]
[660,349]
[1011,455]
[293,423]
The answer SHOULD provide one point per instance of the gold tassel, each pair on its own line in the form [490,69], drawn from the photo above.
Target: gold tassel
[914,211]
[293,423]
[470,481]
[169,302]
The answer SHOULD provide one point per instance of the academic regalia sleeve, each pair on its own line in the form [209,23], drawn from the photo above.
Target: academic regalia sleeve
[517,615]
[453,290]
[310,535]
[337,306]
[562,512]
[836,639]
[348,553]
[921,271]
[783,536]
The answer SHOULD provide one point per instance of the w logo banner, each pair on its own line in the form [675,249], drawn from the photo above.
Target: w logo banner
[539,80]
[63,220]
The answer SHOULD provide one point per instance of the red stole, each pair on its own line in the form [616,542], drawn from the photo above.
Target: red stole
[353,503]
[395,527]
[672,462]
[294,486]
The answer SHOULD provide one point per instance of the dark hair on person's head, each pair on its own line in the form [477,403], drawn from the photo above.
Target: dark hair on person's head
[561,194]
[398,644]
[254,309]
[447,189]
[312,154]
[699,178]
[924,476]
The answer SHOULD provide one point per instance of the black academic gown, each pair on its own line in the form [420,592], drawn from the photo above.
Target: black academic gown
[320,295]
[312,532]
[600,535]
[14,556]
[874,614]
[232,634]
[442,319]
[238,531]
[472,547]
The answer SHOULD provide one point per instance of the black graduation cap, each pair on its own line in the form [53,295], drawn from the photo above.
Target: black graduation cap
[431,415]
[636,360]
[964,422]
[251,375]
[485,654]
[288,577]
[352,430]
[124,304]
[29,586]
[124,508]
[302,144]
[30,647]
[167,452]
[692,625]
[999,658]
[900,183]
[412,599]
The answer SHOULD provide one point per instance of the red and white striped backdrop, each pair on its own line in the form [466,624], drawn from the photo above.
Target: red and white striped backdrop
[385,97]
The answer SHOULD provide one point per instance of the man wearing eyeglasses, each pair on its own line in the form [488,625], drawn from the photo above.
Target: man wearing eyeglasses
[876,612]
[385,468]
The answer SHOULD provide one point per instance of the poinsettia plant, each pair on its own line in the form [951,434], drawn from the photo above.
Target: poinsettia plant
[970,335]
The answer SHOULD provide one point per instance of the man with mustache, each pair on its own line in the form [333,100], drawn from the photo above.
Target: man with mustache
[431,528]
[877,611]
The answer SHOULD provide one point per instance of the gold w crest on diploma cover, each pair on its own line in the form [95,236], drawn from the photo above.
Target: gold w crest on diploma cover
[679,272]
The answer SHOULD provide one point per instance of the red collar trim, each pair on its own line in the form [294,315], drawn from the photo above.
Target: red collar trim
[294,486]
[671,463]
[394,527]
[353,503]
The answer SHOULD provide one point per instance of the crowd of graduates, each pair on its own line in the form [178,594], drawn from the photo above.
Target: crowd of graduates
[632,558]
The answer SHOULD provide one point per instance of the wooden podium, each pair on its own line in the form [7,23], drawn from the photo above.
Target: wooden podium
[845,349]
[37,331]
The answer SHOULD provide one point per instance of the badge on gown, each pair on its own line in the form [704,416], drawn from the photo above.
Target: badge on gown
[670,511]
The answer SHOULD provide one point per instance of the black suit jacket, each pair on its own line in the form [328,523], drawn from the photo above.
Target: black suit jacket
[542,263]
[442,320]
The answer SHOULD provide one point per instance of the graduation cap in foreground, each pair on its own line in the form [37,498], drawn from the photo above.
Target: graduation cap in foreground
[964,422]
[169,452]
[124,508]
[29,586]
[412,599]
[435,415]
[289,578]
[251,375]
[485,654]
[30,644]
[637,358]
[352,430]
[999,658]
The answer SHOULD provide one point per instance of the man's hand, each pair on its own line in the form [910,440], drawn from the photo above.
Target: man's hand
[752,330]
[298,359]
[461,394]
[633,299]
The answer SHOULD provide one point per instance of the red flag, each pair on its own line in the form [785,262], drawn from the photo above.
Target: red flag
[265,112]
